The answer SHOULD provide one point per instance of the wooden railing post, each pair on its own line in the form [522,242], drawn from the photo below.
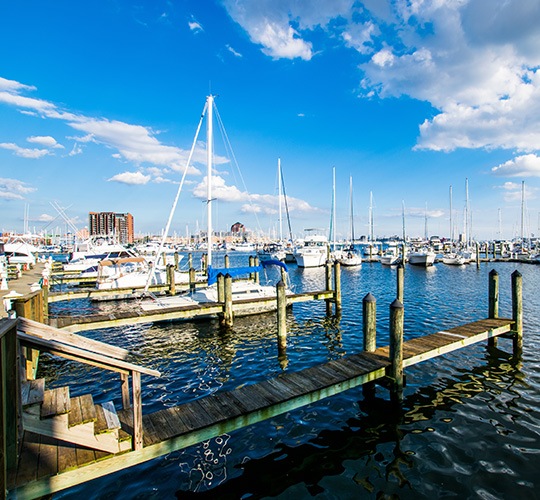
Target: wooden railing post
[137,411]
[369,322]
[396,347]
[124,386]
[10,415]
[493,301]
[517,311]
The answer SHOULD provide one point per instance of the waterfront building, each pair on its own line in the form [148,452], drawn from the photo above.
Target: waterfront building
[110,223]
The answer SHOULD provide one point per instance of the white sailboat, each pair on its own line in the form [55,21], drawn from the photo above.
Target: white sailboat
[349,256]
[240,290]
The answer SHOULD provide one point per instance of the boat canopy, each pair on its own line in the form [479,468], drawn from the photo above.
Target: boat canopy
[213,273]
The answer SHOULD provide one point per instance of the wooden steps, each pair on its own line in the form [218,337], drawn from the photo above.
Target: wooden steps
[53,413]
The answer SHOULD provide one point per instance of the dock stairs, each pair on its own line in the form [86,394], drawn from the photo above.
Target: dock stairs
[76,420]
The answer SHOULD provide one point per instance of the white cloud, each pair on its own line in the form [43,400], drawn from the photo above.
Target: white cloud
[45,218]
[47,141]
[521,166]
[195,26]
[13,189]
[24,152]
[513,192]
[132,178]
[233,52]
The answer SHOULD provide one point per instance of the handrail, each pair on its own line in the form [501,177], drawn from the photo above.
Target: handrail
[47,332]
[59,348]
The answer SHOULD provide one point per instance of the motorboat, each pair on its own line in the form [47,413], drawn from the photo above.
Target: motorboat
[21,252]
[423,257]
[313,252]
[390,257]
[454,259]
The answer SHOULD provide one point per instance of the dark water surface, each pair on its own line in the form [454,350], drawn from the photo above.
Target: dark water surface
[469,425]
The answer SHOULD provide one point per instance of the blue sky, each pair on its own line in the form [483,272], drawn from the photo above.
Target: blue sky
[99,103]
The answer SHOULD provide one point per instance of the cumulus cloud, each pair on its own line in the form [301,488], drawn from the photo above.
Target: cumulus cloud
[476,62]
[47,141]
[132,178]
[514,191]
[24,152]
[133,143]
[521,166]
[195,26]
[13,189]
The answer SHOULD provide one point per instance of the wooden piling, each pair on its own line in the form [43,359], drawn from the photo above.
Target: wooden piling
[256,275]
[192,279]
[227,319]
[164,258]
[369,322]
[493,300]
[171,279]
[396,348]
[190,260]
[281,316]
[221,287]
[477,256]
[176,260]
[328,285]
[226,260]
[400,282]
[517,311]
[337,286]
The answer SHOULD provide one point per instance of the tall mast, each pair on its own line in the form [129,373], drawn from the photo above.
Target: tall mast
[466,222]
[209,158]
[334,207]
[352,209]
[371,216]
[279,202]
[403,220]
[451,222]
[522,211]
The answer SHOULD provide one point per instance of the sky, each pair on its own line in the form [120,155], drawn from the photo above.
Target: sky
[412,100]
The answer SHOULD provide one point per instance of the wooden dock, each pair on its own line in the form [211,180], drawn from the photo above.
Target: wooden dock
[47,465]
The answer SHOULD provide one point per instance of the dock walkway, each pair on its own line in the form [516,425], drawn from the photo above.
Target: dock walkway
[47,465]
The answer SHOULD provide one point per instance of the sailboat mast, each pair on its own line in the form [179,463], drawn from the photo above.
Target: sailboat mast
[209,158]
[451,222]
[352,209]
[371,216]
[279,202]
[334,207]
[522,211]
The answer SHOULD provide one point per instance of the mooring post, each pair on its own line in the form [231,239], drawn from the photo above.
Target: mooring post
[396,347]
[226,260]
[517,311]
[204,262]
[228,307]
[337,286]
[369,322]
[256,276]
[221,288]
[281,315]
[477,256]
[493,301]
[176,260]
[171,279]
[328,276]
[164,258]
[400,282]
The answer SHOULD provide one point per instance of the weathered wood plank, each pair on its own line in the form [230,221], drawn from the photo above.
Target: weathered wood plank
[88,408]
[75,412]
[48,457]
[67,457]
[32,391]
[55,402]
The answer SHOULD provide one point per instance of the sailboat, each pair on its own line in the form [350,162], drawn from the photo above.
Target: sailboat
[349,256]
[241,290]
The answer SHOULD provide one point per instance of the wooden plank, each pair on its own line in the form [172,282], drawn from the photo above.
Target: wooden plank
[32,391]
[55,402]
[109,413]
[48,457]
[164,424]
[301,381]
[88,408]
[67,457]
[75,413]
[29,459]
[84,456]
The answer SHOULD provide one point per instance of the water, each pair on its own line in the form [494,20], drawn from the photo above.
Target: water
[469,425]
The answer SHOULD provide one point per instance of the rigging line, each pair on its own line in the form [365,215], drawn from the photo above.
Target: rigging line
[228,146]
[173,209]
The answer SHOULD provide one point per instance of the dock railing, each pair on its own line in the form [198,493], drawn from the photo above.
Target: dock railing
[34,335]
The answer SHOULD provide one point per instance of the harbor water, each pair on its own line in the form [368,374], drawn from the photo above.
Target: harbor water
[468,427]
